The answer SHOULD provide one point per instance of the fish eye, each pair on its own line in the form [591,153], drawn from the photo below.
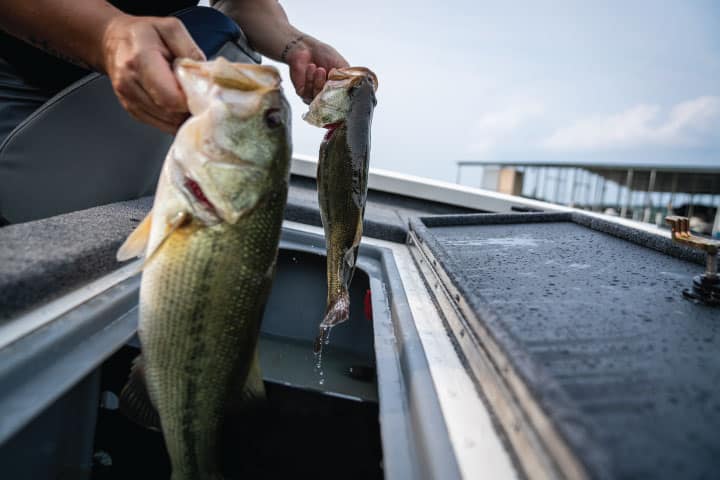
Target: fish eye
[273,118]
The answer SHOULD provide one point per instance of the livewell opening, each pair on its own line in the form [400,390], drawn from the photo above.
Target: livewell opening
[305,429]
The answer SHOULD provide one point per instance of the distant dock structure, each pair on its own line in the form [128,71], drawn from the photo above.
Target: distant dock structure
[642,191]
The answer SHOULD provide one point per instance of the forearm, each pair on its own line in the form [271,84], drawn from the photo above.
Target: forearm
[69,29]
[270,33]
[264,22]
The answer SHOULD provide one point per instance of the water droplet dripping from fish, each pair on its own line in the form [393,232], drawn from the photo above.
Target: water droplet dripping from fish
[323,338]
[318,367]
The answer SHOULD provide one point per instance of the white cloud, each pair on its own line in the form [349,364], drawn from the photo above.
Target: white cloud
[492,128]
[685,124]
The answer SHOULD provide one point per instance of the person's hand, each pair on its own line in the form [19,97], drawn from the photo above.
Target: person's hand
[137,56]
[310,62]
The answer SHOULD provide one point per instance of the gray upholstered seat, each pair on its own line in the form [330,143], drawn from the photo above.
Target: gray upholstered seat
[83,150]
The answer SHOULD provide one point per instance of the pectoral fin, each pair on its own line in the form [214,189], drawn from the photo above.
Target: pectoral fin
[179,220]
[136,244]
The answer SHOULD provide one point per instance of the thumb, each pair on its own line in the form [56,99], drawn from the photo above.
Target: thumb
[178,39]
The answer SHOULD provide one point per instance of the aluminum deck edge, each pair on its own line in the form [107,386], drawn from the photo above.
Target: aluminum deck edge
[539,449]
[479,449]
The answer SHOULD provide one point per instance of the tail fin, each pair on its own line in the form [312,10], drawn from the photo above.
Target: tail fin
[338,311]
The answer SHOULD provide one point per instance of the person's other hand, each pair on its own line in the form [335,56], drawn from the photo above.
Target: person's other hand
[138,53]
[310,62]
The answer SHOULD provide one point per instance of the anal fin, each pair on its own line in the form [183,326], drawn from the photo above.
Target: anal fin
[136,405]
[135,401]
[254,389]
[250,395]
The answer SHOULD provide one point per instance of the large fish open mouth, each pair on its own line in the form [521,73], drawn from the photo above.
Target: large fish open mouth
[196,198]
[194,189]
[331,128]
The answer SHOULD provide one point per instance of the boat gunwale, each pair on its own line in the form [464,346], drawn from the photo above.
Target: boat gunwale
[90,328]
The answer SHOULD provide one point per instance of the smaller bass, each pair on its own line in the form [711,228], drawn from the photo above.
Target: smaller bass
[345,108]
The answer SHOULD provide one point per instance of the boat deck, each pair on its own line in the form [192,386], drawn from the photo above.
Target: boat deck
[44,259]
[590,332]
[570,327]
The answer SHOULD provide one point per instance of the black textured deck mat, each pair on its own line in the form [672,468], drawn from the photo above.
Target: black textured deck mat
[592,318]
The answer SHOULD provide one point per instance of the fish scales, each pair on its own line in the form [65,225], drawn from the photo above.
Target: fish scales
[195,357]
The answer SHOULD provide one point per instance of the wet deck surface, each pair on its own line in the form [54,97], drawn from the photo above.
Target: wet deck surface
[598,328]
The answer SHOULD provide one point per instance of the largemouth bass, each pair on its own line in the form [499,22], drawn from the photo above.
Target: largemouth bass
[345,108]
[210,245]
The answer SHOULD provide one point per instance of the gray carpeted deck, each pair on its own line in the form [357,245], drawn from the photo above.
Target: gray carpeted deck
[43,259]
[598,328]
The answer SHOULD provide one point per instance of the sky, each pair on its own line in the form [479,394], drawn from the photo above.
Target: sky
[527,80]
